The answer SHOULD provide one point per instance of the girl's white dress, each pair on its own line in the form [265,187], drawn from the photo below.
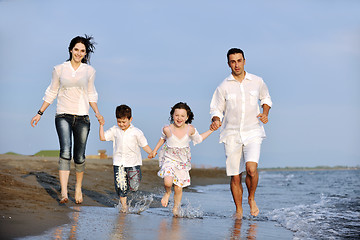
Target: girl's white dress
[175,157]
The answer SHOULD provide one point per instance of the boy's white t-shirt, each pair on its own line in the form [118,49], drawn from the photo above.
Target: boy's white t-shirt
[126,145]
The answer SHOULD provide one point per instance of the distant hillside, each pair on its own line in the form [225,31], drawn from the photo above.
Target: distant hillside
[48,153]
[12,153]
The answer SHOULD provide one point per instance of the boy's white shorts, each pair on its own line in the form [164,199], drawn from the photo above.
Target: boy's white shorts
[238,154]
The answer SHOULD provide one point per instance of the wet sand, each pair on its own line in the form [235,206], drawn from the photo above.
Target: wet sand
[30,191]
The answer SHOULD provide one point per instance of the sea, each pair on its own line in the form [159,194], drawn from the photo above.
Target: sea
[319,204]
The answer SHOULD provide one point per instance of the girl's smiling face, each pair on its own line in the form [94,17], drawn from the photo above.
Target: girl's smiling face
[180,117]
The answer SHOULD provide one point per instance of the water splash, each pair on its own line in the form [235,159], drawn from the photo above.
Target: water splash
[137,203]
[187,210]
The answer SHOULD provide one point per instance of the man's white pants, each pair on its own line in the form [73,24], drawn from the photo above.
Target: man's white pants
[238,154]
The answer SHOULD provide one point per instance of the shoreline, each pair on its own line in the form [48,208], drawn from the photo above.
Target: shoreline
[30,191]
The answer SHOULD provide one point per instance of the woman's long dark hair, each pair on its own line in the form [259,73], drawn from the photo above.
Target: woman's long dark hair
[89,43]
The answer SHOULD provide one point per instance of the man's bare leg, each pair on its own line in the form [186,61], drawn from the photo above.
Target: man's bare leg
[237,192]
[251,180]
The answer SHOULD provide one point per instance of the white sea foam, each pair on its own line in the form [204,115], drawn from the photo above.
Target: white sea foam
[314,221]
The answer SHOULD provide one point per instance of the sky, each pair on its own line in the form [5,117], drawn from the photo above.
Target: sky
[153,54]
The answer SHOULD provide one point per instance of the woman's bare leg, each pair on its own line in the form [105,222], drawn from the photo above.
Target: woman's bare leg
[64,179]
[78,192]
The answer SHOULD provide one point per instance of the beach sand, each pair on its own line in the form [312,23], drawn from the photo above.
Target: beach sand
[30,191]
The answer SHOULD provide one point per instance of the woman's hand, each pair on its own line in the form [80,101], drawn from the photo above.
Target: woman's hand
[35,120]
[100,118]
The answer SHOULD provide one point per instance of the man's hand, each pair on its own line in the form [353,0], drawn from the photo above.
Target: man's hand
[263,118]
[215,124]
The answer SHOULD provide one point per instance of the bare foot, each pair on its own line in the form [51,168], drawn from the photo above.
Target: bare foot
[64,198]
[254,210]
[238,214]
[176,211]
[124,209]
[165,199]
[78,196]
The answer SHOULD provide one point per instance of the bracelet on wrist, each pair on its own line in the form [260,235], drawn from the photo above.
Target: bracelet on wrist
[40,112]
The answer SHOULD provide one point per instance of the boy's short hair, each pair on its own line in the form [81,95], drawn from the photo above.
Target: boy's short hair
[123,111]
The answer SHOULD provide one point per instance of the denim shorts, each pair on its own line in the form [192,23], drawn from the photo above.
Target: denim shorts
[70,127]
[126,179]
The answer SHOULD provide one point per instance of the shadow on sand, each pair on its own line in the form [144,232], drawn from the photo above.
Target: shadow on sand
[51,185]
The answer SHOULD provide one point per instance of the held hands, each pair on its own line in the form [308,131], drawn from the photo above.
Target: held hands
[100,118]
[152,154]
[216,123]
[263,118]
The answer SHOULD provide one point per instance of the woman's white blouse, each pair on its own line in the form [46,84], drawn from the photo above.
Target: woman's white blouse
[73,89]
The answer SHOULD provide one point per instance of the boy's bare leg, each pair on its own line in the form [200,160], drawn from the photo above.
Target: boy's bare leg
[237,192]
[177,200]
[124,206]
[168,181]
[78,192]
[64,178]
[251,180]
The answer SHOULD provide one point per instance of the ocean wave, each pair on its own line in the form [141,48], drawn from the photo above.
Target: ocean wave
[332,217]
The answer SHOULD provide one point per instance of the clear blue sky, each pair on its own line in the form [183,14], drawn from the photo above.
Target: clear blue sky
[152,54]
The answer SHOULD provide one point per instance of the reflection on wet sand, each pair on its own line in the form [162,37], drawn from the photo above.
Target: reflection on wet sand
[236,230]
[172,232]
[59,231]
[121,230]
[74,226]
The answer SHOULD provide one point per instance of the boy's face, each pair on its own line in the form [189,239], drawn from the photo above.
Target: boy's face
[124,123]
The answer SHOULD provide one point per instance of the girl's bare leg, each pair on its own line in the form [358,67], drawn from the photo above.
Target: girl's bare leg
[64,178]
[177,200]
[168,181]
[78,192]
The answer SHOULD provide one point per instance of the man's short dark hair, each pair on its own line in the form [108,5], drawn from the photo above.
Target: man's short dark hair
[123,111]
[233,51]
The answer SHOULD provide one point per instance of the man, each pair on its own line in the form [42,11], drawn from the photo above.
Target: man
[234,107]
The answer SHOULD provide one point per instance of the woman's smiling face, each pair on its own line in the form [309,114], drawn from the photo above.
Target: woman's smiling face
[78,52]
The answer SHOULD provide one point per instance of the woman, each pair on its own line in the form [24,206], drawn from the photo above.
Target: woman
[73,85]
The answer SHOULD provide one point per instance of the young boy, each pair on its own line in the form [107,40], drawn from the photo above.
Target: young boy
[127,159]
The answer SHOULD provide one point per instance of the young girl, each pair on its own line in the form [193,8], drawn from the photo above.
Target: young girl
[175,156]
